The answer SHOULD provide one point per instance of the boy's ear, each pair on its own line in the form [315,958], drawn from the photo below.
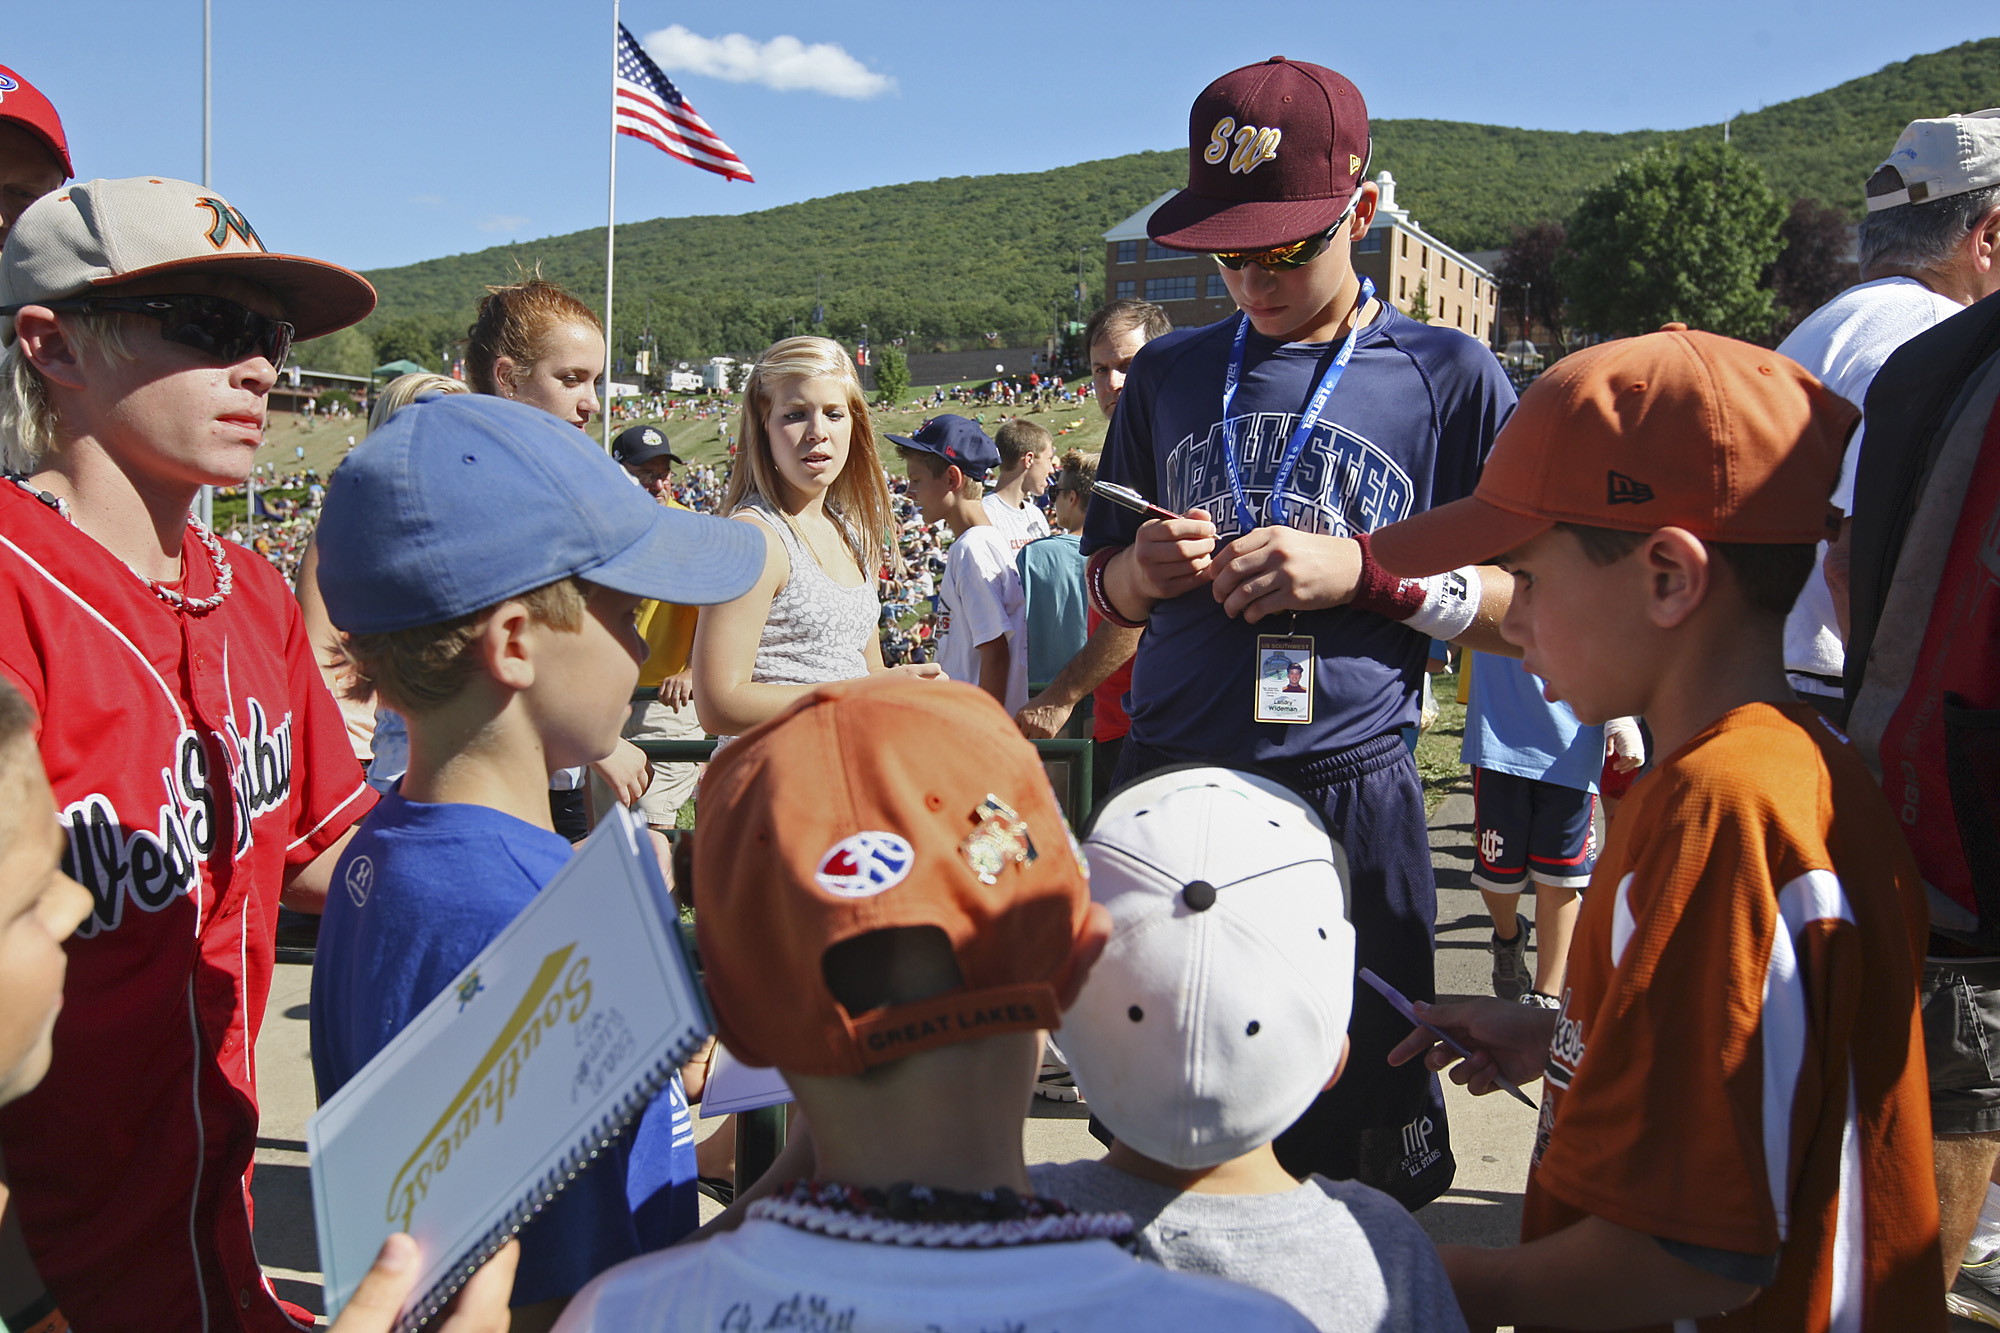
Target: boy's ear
[1679,576]
[1084,951]
[47,347]
[506,646]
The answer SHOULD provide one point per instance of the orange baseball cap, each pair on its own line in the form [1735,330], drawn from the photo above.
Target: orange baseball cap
[1730,441]
[869,805]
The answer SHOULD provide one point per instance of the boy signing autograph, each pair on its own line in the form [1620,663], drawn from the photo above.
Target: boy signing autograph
[1733,1128]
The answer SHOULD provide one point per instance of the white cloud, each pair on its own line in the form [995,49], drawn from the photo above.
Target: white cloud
[784,63]
[502,222]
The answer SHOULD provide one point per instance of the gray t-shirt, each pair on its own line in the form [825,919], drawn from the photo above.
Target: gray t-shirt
[1346,1256]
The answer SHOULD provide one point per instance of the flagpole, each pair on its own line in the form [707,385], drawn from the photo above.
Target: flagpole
[610,229]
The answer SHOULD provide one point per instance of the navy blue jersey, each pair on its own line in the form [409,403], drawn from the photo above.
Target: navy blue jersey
[1408,428]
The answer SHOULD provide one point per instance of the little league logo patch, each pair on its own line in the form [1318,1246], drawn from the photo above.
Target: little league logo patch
[862,865]
[7,85]
[360,879]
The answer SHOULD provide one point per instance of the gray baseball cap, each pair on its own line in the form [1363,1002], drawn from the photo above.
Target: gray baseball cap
[101,232]
[1935,159]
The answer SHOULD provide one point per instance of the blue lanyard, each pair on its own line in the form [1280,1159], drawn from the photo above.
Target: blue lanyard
[1274,507]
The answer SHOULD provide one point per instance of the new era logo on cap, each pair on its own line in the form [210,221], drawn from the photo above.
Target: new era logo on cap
[1623,490]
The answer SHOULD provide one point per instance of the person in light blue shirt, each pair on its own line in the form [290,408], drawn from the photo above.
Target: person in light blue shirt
[1051,570]
[1534,794]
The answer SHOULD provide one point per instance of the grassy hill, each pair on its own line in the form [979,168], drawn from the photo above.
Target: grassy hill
[954,259]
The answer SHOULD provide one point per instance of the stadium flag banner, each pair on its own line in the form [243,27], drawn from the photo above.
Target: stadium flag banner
[651,108]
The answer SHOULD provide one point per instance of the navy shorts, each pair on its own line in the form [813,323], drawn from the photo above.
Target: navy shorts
[1529,829]
[1381,1124]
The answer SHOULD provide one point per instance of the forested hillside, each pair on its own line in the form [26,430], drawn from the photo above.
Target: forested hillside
[952,260]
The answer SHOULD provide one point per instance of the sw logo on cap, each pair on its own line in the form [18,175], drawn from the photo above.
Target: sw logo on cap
[1254,145]
[1624,490]
[862,865]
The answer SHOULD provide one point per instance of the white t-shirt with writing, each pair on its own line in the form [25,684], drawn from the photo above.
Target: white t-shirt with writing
[1018,525]
[979,600]
[1844,343]
[767,1275]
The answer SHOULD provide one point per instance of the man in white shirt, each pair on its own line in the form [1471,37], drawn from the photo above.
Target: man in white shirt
[1027,458]
[1930,246]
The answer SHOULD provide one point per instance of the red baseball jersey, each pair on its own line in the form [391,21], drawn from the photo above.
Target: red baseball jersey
[196,759]
[1738,1063]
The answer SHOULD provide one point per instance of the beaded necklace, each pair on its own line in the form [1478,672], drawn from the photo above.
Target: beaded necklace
[920,1216]
[225,577]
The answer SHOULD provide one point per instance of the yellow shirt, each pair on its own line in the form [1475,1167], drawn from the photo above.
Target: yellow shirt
[669,634]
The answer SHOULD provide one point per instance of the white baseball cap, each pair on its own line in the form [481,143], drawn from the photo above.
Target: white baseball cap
[97,233]
[1935,159]
[1219,1009]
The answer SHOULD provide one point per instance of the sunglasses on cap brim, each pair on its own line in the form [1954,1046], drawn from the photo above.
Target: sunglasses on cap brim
[1297,254]
[213,325]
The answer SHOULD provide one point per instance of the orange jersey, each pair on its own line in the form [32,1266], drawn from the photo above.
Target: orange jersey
[1737,1063]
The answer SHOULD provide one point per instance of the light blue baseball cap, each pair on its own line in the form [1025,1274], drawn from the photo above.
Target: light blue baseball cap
[461,501]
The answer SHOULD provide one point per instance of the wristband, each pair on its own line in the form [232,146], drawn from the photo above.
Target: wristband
[1451,602]
[1093,582]
[1380,591]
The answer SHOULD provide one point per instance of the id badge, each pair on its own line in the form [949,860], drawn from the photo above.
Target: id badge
[1284,678]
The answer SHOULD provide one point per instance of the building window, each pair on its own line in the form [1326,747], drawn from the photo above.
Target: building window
[1461,279]
[1475,289]
[1128,252]
[1216,287]
[1475,326]
[1155,252]
[1170,289]
[1406,245]
[1369,245]
[1127,290]
[1424,259]
[1441,266]
[1403,285]
[1458,318]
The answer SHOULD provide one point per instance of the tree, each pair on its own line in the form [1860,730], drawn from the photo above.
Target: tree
[347,352]
[1675,235]
[1530,291]
[418,338]
[892,375]
[1813,267]
[1420,304]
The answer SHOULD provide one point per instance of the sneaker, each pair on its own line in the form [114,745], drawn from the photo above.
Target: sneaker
[1511,977]
[1055,1081]
[1976,1294]
[1534,999]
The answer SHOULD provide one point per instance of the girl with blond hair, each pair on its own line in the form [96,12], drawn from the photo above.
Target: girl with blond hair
[808,475]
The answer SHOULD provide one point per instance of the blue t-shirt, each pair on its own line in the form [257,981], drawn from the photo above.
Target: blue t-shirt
[1051,570]
[1408,428]
[1511,728]
[446,880]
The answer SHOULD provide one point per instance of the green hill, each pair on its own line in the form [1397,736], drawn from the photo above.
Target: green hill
[958,258]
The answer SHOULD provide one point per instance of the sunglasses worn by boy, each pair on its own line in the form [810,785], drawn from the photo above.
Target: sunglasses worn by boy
[1296,254]
[213,325]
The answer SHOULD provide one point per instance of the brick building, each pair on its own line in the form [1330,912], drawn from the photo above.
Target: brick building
[1397,253]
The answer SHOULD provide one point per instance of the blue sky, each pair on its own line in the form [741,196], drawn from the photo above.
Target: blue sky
[375,133]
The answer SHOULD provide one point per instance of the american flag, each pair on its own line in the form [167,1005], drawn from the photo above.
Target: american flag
[651,108]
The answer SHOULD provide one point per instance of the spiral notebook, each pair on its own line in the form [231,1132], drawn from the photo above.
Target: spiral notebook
[510,1082]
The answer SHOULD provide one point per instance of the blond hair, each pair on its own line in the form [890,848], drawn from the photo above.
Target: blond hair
[400,392]
[859,496]
[27,416]
[418,670]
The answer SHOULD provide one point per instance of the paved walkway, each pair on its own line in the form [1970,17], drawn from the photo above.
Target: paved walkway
[1490,1135]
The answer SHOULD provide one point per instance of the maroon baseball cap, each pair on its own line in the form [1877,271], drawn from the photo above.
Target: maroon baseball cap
[23,103]
[1275,151]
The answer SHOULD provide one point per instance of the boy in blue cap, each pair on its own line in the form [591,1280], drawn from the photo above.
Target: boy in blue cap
[505,631]
[982,632]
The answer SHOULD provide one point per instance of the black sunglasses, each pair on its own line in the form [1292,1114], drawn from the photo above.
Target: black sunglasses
[213,325]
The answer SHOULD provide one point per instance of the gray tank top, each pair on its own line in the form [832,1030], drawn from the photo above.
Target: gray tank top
[817,630]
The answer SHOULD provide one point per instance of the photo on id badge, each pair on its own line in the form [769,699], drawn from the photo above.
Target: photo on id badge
[1284,678]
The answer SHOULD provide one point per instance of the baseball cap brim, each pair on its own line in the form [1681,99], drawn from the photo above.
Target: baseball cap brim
[1464,532]
[686,558]
[318,298]
[1189,221]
